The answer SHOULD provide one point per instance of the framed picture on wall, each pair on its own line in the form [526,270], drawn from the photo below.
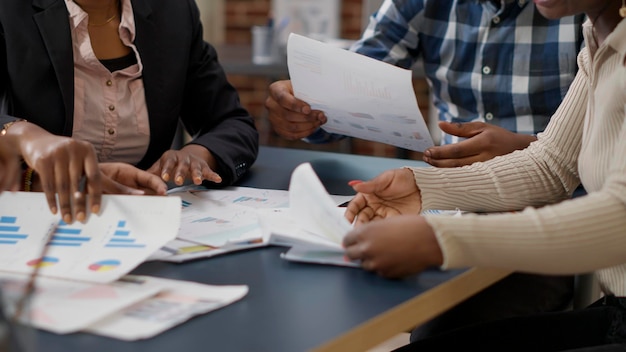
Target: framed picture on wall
[317,19]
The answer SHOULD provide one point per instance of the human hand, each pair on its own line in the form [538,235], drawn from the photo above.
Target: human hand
[192,161]
[62,165]
[484,142]
[9,164]
[290,117]
[122,178]
[394,192]
[394,247]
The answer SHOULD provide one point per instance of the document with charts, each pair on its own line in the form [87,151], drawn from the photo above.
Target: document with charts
[218,221]
[179,301]
[106,247]
[313,226]
[361,97]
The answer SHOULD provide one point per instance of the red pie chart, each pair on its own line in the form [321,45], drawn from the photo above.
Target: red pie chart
[105,265]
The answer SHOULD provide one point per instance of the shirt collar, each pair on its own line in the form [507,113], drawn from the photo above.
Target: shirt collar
[77,15]
[616,39]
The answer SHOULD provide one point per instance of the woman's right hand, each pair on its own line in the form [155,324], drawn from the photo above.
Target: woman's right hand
[62,165]
[394,192]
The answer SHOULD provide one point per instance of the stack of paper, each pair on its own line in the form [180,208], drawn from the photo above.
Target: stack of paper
[77,266]
[214,222]
[313,226]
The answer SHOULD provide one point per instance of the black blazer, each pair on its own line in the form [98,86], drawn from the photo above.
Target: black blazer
[182,77]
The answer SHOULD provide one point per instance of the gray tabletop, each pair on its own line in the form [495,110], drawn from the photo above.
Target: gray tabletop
[290,306]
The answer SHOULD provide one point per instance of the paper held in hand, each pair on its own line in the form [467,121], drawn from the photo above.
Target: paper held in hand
[313,226]
[361,97]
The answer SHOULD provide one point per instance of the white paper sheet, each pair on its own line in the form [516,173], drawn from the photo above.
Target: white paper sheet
[362,97]
[180,301]
[64,306]
[109,245]
[312,225]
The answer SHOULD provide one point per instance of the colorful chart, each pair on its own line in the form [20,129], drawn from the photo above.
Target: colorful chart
[43,262]
[105,265]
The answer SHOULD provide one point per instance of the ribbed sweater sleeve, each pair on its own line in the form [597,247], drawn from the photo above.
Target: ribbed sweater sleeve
[570,236]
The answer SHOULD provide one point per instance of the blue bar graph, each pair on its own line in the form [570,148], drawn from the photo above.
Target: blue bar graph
[67,236]
[9,231]
[122,238]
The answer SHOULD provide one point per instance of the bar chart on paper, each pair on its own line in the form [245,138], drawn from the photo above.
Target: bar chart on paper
[103,249]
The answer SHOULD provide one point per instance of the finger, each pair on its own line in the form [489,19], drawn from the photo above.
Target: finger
[61,177]
[282,93]
[365,215]
[78,198]
[150,183]
[155,169]
[464,130]
[168,162]
[93,183]
[182,170]
[46,177]
[464,149]
[209,174]
[354,207]
[109,186]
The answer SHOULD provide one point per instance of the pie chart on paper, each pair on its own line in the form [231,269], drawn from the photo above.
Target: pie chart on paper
[43,262]
[105,265]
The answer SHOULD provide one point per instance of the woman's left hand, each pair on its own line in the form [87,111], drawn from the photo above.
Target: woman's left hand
[394,247]
[192,161]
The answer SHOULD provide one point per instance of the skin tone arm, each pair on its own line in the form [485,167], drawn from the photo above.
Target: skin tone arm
[293,119]
[63,164]
[409,244]
[192,161]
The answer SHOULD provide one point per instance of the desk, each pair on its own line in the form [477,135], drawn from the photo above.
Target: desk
[296,307]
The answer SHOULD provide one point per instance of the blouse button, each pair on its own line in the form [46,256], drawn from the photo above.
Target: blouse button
[111,131]
[111,107]
[109,83]
[489,116]
[486,70]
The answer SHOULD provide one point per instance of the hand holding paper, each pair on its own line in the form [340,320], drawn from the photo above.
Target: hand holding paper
[362,97]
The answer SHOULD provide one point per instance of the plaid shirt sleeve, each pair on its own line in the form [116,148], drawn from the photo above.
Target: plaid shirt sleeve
[506,65]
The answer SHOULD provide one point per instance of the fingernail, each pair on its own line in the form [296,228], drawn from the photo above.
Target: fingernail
[80,216]
[179,180]
[165,176]
[95,209]
[67,218]
[427,153]
[53,210]
[306,110]
[354,182]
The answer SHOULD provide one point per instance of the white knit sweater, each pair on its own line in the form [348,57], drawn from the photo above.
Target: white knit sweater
[584,142]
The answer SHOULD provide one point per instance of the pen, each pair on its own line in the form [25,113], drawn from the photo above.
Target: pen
[30,286]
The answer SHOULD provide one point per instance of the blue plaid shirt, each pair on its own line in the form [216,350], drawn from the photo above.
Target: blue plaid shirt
[506,65]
